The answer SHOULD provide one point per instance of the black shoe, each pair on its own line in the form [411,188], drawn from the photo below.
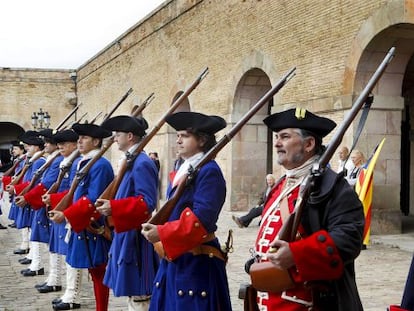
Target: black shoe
[24,270]
[20,251]
[363,247]
[48,289]
[13,225]
[66,306]
[2,227]
[56,301]
[40,285]
[25,261]
[33,273]
[238,222]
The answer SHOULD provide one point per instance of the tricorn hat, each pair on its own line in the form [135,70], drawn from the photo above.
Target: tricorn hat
[47,135]
[32,138]
[196,121]
[136,126]
[91,130]
[66,135]
[302,119]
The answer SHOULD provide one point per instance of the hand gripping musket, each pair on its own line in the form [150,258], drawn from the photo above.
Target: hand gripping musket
[63,170]
[40,154]
[280,279]
[111,190]
[165,211]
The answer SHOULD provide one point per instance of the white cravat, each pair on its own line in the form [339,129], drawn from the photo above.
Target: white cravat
[183,170]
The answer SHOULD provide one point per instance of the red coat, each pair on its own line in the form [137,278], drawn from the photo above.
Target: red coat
[323,248]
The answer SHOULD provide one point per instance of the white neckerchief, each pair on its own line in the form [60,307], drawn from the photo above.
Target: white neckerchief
[65,160]
[35,156]
[52,155]
[183,170]
[296,175]
[88,156]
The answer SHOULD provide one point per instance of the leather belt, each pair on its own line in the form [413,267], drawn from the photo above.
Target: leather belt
[211,251]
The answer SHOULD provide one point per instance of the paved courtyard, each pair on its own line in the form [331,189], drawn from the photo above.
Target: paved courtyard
[381,271]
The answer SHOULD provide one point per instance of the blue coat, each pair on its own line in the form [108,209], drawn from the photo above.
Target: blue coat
[132,260]
[41,224]
[193,282]
[25,214]
[57,242]
[86,249]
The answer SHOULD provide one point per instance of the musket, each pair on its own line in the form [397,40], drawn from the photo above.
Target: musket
[63,170]
[289,229]
[39,172]
[111,190]
[73,122]
[165,211]
[67,117]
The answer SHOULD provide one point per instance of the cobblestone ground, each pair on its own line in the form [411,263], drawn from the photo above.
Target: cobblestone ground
[381,271]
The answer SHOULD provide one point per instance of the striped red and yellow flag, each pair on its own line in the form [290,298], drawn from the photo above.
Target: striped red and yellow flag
[364,189]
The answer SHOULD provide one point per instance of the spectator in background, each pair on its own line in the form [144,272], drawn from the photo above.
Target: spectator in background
[343,153]
[154,157]
[245,220]
[358,159]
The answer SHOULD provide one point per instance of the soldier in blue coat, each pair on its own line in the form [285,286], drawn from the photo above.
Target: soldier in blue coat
[67,144]
[19,157]
[132,260]
[192,274]
[24,216]
[87,249]
[40,228]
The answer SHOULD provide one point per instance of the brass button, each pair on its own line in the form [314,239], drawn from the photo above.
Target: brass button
[321,238]
[190,292]
[203,294]
[180,293]
[188,214]
[157,284]
[196,225]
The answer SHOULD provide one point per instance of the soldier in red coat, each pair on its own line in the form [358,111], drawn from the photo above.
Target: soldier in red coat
[330,233]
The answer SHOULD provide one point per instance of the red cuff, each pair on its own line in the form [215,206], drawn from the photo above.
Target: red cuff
[6,180]
[79,214]
[55,198]
[129,213]
[34,196]
[180,236]
[20,187]
[316,258]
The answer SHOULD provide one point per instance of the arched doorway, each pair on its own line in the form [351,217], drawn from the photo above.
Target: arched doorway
[390,117]
[252,146]
[8,132]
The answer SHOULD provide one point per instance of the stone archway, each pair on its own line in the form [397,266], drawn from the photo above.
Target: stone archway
[391,25]
[8,132]
[251,147]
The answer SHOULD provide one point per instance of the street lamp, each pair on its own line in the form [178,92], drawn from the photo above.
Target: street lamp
[40,120]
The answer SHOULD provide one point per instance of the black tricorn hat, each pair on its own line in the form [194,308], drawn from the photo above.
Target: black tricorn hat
[302,119]
[17,143]
[47,135]
[196,121]
[136,126]
[91,130]
[32,138]
[66,135]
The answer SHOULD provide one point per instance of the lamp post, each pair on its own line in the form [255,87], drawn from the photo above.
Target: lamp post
[40,120]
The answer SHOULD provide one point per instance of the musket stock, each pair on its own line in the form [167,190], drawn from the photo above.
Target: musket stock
[165,211]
